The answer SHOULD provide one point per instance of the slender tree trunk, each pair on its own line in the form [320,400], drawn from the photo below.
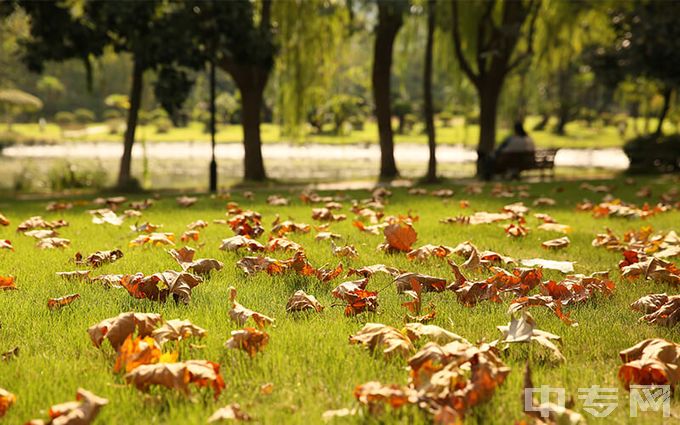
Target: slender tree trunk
[563,119]
[543,123]
[488,108]
[667,93]
[125,176]
[386,31]
[428,110]
[251,108]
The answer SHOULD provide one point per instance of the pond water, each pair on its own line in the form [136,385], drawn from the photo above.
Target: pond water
[185,164]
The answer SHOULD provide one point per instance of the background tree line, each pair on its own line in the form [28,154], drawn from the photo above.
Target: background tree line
[325,66]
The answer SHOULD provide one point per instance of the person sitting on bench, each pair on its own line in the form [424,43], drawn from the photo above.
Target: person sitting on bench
[517,143]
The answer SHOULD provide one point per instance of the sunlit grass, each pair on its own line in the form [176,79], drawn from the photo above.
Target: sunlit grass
[578,134]
[309,360]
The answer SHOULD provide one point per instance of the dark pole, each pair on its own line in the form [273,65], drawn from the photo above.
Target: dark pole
[213,162]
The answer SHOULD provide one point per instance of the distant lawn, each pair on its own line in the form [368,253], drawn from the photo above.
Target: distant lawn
[578,134]
[309,361]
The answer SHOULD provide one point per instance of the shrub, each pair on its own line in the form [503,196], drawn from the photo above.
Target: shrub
[83,116]
[64,118]
[445,118]
[163,125]
[64,175]
[649,154]
[112,114]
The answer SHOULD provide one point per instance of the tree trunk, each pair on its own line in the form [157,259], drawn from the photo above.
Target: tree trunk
[488,107]
[664,111]
[543,123]
[428,111]
[385,33]
[251,108]
[563,119]
[125,180]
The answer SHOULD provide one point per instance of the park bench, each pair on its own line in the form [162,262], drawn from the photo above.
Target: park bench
[512,164]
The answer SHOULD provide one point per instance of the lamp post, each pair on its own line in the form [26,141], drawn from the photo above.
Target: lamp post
[213,162]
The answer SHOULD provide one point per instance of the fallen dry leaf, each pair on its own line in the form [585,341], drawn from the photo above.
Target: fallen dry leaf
[404,282]
[42,233]
[301,301]
[555,227]
[415,331]
[659,309]
[7,399]
[427,251]
[135,352]
[118,329]
[57,303]
[375,336]
[524,330]
[558,243]
[158,286]
[325,236]
[282,244]
[190,235]
[233,411]
[3,220]
[83,411]
[185,258]
[38,222]
[399,235]
[178,375]
[240,314]
[154,239]
[249,340]
[562,266]
[99,258]
[290,227]
[650,362]
[237,242]
[368,271]
[186,201]
[7,283]
[347,251]
[51,243]
[177,330]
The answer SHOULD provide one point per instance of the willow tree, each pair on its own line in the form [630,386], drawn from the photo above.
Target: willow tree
[309,36]
[563,30]
[498,38]
[14,102]
[390,20]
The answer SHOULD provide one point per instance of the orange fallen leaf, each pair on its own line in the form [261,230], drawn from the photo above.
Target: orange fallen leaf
[158,286]
[7,399]
[3,220]
[650,362]
[135,352]
[190,235]
[57,303]
[185,258]
[249,340]
[399,236]
[117,329]
[178,375]
[7,283]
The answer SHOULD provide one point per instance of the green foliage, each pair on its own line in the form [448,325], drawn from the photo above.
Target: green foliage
[163,125]
[66,175]
[654,154]
[83,116]
[64,118]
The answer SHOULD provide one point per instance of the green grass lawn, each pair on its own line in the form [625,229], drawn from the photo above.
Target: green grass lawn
[309,360]
[578,134]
